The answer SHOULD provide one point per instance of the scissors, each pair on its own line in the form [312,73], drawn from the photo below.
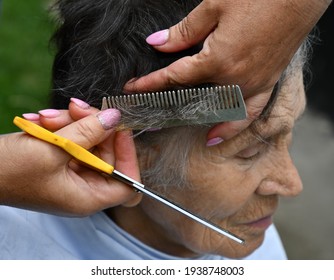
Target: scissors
[96,163]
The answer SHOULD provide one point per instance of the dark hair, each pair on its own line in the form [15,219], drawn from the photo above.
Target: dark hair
[101,45]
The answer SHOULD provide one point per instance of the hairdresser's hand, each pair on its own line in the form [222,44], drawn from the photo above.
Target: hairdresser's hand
[39,176]
[246,42]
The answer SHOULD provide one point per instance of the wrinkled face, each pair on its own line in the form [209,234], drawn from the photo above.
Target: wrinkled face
[235,184]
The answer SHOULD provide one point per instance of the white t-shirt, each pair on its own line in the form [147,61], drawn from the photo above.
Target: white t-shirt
[32,235]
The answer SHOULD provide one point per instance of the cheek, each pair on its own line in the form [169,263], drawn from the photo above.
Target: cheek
[195,239]
[221,189]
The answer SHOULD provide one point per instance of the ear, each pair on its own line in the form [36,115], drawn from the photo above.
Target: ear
[147,155]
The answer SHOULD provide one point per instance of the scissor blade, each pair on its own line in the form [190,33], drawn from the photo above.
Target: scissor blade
[140,187]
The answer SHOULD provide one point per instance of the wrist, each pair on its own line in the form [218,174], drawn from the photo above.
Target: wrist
[4,167]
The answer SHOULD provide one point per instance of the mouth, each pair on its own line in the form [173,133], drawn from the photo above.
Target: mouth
[262,223]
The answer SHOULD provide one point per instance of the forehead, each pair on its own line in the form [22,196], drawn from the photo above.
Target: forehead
[289,106]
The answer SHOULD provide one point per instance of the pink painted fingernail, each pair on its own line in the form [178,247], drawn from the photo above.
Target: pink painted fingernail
[109,118]
[31,116]
[214,141]
[80,103]
[49,113]
[158,38]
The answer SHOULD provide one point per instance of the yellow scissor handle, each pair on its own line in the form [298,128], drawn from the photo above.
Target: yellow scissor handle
[70,147]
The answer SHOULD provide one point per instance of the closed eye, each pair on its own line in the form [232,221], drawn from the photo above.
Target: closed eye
[254,151]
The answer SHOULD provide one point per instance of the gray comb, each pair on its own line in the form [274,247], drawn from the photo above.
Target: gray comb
[193,106]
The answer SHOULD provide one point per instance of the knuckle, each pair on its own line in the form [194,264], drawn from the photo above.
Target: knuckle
[86,132]
[184,28]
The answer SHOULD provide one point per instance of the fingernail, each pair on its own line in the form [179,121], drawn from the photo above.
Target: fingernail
[214,141]
[31,116]
[109,118]
[80,103]
[49,113]
[158,38]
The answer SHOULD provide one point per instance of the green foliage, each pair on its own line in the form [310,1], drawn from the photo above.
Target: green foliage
[25,59]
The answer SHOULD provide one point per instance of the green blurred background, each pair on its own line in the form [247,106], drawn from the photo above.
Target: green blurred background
[25,59]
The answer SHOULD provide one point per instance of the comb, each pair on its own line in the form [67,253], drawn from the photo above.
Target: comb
[192,106]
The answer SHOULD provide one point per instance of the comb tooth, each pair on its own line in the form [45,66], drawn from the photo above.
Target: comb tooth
[140,99]
[230,97]
[110,99]
[136,99]
[221,95]
[204,96]
[123,100]
[170,98]
[185,97]
[226,98]
[143,100]
[180,97]
[188,95]
[161,99]
[218,98]
[114,102]
[147,100]
[173,98]
[132,100]
[104,104]
[112,105]
[118,101]
[235,101]
[177,97]
[157,100]
[214,98]
[152,96]
[155,105]
[165,97]
[239,96]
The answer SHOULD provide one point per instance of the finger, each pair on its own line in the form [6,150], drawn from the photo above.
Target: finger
[227,130]
[91,130]
[193,29]
[32,117]
[127,162]
[56,120]
[119,150]
[77,110]
[188,70]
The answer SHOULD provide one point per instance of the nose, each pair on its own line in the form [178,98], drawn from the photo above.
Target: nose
[282,177]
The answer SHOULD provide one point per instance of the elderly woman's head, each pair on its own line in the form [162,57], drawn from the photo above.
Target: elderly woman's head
[236,184]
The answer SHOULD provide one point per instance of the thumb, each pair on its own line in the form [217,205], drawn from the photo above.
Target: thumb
[91,130]
[192,30]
